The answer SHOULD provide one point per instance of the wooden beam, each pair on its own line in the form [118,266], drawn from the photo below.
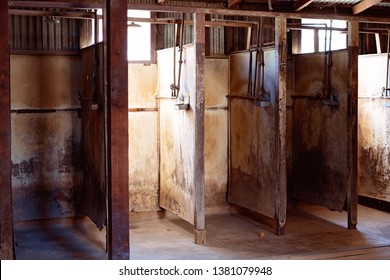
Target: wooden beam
[6,220]
[74,4]
[117,130]
[215,11]
[299,5]
[233,3]
[364,5]
[281,168]
[75,15]
[199,176]
[352,123]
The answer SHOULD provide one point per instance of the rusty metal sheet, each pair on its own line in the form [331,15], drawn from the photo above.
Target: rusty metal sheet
[177,192]
[47,170]
[94,194]
[253,181]
[45,82]
[319,164]
[374,129]
[46,144]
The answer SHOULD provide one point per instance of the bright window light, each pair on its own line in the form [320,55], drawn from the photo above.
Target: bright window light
[138,37]
[338,39]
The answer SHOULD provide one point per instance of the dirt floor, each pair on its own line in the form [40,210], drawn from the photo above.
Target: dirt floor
[312,232]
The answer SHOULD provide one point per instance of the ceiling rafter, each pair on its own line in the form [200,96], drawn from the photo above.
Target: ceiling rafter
[364,5]
[299,5]
[233,3]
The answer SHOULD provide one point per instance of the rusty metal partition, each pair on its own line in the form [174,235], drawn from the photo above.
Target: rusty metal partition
[94,196]
[319,128]
[253,138]
[374,129]
[177,193]
[46,136]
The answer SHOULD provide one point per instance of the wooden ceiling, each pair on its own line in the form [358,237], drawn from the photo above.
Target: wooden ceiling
[362,10]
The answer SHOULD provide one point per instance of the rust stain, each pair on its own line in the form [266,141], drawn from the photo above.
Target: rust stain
[24,168]
[70,157]
[375,172]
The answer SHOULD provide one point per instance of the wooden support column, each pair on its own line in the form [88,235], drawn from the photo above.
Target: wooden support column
[281,173]
[117,129]
[199,44]
[353,52]
[6,220]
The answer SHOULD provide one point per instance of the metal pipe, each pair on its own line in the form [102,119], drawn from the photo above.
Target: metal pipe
[181,42]
[95,60]
[328,64]
[253,91]
[387,89]
[173,86]
[261,62]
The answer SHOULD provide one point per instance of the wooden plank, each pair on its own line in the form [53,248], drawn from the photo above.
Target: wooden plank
[233,3]
[364,5]
[199,172]
[117,130]
[281,117]
[352,123]
[216,11]
[6,220]
[299,5]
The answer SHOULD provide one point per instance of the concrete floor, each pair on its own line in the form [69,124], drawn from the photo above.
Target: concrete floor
[312,232]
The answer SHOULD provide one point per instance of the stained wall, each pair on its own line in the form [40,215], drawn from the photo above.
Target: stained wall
[143,138]
[373,129]
[47,169]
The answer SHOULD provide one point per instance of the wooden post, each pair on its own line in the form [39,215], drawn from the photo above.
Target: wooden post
[199,44]
[281,173]
[117,129]
[6,220]
[353,52]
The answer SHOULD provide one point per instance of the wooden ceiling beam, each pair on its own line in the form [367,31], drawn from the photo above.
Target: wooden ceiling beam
[364,5]
[233,3]
[299,5]
[76,15]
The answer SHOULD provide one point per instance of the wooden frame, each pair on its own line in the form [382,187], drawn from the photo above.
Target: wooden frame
[352,142]
[6,219]
[115,26]
[281,189]
[199,173]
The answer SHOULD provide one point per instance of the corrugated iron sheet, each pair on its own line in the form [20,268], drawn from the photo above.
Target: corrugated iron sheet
[167,32]
[34,33]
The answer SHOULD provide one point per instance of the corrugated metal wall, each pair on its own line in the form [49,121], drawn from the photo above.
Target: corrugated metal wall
[33,33]
[166,33]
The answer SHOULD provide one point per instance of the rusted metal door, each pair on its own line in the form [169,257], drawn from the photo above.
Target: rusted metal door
[253,137]
[319,164]
[92,102]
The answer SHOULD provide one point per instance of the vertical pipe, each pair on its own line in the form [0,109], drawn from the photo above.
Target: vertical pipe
[387,88]
[173,86]
[177,88]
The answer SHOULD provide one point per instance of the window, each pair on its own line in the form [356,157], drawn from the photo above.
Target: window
[318,40]
[138,37]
